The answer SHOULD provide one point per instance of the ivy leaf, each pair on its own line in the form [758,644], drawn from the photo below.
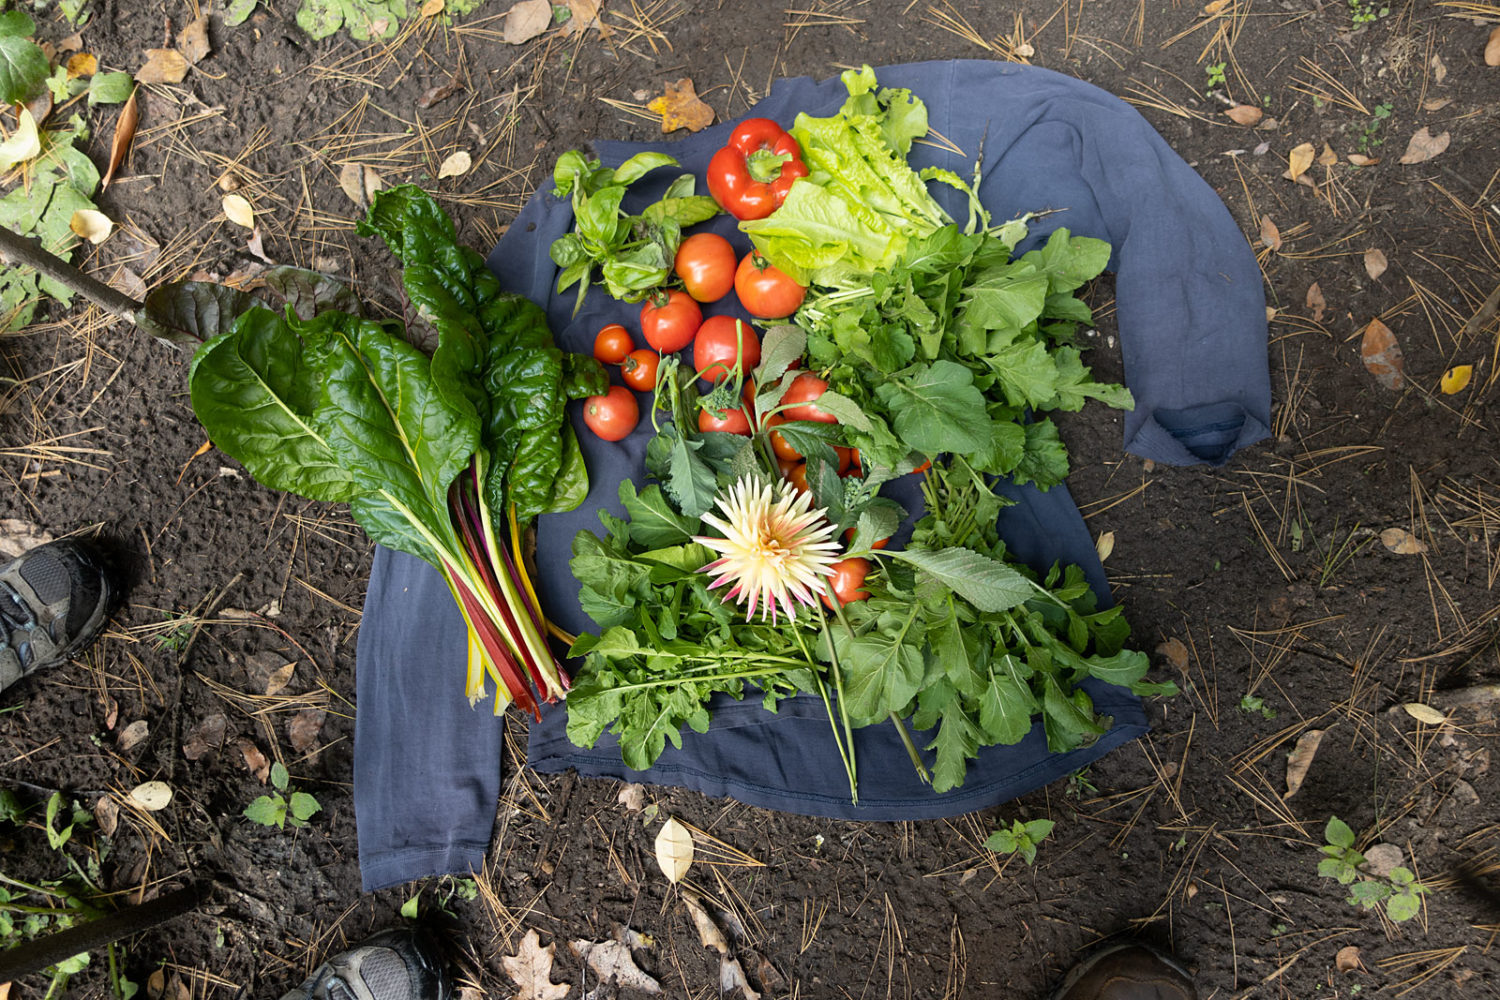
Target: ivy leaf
[23,64]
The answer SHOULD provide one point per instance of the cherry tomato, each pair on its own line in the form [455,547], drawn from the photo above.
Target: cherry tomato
[799,396]
[639,369]
[922,468]
[669,321]
[613,415]
[734,421]
[879,543]
[847,580]
[779,444]
[766,292]
[612,343]
[717,346]
[798,477]
[846,458]
[705,263]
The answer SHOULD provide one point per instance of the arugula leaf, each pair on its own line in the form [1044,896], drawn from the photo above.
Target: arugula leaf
[932,408]
[882,670]
[653,523]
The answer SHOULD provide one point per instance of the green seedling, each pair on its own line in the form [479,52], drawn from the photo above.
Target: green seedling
[1080,785]
[1250,704]
[1363,12]
[283,804]
[1400,892]
[1215,74]
[1367,137]
[1335,558]
[1021,838]
[448,889]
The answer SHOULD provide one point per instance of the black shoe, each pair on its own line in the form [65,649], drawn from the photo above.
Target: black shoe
[400,964]
[1127,972]
[53,602]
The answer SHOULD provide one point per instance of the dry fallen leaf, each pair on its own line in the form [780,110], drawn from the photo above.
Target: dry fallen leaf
[526,20]
[584,14]
[352,182]
[732,977]
[1382,355]
[82,64]
[611,960]
[709,933]
[1245,114]
[1436,103]
[1215,7]
[1439,69]
[373,183]
[280,678]
[432,8]
[1424,146]
[1361,160]
[530,968]
[1328,157]
[303,728]
[107,814]
[1492,48]
[130,117]
[1300,759]
[1402,542]
[238,211]
[1456,379]
[632,797]
[92,225]
[152,796]
[132,734]
[1347,960]
[1174,652]
[1298,160]
[674,849]
[255,761]
[456,165]
[207,735]
[1269,234]
[442,92]
[16,536]
[192,41]
[680,107]
[1316,302]
[1375,263]
[1424,713]
[162,66]
[1104,545]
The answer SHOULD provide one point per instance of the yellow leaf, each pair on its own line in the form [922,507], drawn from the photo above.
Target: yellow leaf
[1217,6]
[82,64]
[24,143]
[456,165]
[432,8]
[1456,379]
[1402,542]
[91,225]
[674,850]
[680,107]
[162,66]
[1424,713]
[238,211]
[1328,157]
[1299,159]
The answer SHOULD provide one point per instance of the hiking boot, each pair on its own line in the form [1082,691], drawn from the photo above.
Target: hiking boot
[53,601]
[400,964]
[1127,972]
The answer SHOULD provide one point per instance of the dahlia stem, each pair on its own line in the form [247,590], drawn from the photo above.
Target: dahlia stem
[838,683]
[846,755]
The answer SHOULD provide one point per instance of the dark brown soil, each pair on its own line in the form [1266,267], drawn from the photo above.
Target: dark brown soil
[1268,573]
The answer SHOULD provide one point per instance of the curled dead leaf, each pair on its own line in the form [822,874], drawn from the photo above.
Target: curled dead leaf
[1245,114]
[107,814]
[1382,356]
[674,849]
[1316,302]
[255,761]
[1361,160]
[1492,48]
[91,225]
[119,146]
[238,211]
[441,92]
[1375,263]
[205,736]
[455,165]
[303,728]
[82,64]
[352,182]
[1439,69]
[681,107]
[1402,542]
[1298,160]
[1347,960]
[584,14]
[373,183]
[1269,234]
[1424,146]
[525,20]
[1425,714]
[162,66]
[280,678]
[1328,157]
[632,797]
[132,734]
[152,796]
[1300,759]
[192,41]
[1104,545]
[710,935]
[1436,103]
[1456,379]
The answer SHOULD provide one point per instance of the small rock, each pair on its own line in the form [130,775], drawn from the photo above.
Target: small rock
[1383,858]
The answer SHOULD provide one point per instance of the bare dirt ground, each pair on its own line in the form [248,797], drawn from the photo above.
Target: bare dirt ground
[1323,581]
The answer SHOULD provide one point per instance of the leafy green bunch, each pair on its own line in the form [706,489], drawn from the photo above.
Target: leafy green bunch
[1399,892]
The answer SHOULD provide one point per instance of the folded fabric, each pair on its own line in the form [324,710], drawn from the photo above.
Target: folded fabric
[1191,317]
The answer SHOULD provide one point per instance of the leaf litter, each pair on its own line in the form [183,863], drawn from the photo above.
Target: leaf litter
[1424,146]
[1300,759]
[681,107]
[530,968]
[1382,356]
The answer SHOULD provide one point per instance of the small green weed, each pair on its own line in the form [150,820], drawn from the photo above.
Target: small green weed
[448,889]
[1080,785]
[283,804]
[1021,838]
[1250,704]
[1215,74]
[1363,12]
[1368,135]
[1399,891]
[176,637]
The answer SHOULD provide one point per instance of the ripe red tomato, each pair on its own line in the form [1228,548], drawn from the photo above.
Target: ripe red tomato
[613,415]
[639,369]
[734,421]
[705,263]
[799,396]
[766,292]
[668,322]
[798,477]
[612,343]
[879,543]
[717,346]
[847,580]
[846,458]
[779,445]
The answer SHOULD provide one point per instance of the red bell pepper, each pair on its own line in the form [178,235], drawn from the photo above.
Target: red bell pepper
[751,175]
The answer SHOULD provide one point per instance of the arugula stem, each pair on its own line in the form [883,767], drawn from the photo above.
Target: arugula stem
[911,750]
[845,755]
[838,684]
